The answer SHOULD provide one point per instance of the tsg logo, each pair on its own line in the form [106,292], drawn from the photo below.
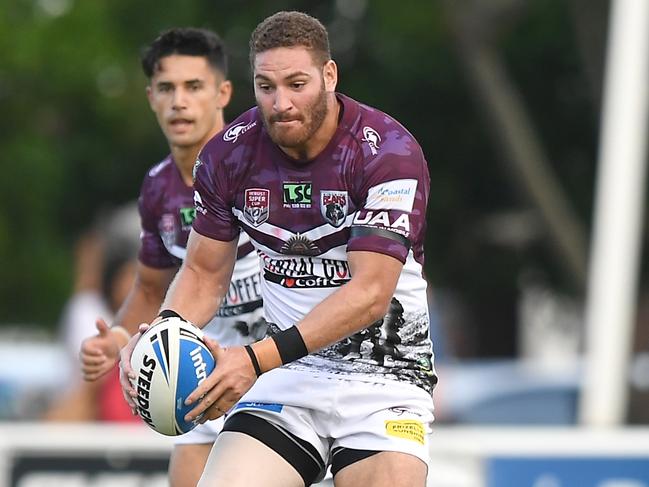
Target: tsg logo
[233,133]
[372,138]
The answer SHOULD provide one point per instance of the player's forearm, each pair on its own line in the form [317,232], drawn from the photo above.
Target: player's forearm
[141,306]
[195,295]
[350,309]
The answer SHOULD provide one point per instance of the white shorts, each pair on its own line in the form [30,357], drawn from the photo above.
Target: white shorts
[203,433]
[339,413]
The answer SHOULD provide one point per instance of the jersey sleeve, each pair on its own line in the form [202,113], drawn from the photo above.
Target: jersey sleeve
[152,250]
[391,218]
[212,198]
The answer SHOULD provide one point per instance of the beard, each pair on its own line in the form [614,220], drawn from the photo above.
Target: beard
[311,119]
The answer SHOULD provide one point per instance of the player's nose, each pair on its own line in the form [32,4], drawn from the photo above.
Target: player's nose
[179,100]
[282,102]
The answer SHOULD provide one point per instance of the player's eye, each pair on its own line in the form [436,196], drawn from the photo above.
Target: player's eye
[298,85]
[264,87]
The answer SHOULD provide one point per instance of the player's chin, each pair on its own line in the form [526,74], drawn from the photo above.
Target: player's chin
[287,138]
[183,140]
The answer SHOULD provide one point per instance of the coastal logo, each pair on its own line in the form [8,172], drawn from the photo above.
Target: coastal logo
[233,133]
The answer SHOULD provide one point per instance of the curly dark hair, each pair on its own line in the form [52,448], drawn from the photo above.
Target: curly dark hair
[188,41]
[291,29]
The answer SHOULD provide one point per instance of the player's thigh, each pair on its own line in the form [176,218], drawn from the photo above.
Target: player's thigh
[238,460]
[186,464]
[385,469]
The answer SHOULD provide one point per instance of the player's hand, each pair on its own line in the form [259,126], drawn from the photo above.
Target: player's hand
[99,353]
[126,374]
[233,375]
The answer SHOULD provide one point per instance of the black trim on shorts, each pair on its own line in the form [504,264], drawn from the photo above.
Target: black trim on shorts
[342,457]
[301,454]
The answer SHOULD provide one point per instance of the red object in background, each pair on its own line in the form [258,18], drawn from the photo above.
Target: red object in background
[111,404]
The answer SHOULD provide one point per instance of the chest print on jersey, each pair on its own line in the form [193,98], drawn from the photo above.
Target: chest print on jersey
[297,195]
[187,216]
[333,206]
[299,245]
[168,230]
[257,202]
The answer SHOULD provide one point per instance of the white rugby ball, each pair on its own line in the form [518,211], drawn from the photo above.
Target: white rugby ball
[170,360]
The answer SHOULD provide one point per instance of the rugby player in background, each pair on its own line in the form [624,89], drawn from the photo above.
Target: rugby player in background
[188,90]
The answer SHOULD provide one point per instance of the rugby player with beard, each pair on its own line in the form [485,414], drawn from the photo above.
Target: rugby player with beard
[295,402]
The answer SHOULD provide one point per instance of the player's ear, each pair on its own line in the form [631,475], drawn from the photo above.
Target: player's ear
[330,75]
[149,96]
[224,93]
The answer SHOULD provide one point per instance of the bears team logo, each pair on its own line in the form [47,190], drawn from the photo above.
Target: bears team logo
[257,203]
[333,206]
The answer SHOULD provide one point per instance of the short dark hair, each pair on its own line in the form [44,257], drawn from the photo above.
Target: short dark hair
[291,29]
[188,41]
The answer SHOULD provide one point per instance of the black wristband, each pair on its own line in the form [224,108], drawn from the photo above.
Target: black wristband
[253,359]
[290,345]
[169,313]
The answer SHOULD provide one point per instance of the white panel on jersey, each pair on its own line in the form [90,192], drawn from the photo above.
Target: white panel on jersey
[392,195]
[285,235]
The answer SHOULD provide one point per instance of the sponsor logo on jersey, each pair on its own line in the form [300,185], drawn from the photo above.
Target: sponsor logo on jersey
[401,410]
[304,282]
[305,272]
[195,168]
[383,219]
[168,230]
[393,195]
[256,206]
[301,266]
[372,138]
[243,290]
[297,195]
[187,216]
[233,133]
[306,266]
[198,203]
[408,429]
[333,206]
[299,245]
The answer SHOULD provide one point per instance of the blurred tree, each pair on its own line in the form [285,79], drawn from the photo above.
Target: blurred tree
[77,134]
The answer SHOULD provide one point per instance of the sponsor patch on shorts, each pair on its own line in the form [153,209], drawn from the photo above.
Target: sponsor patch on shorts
[407,429]
[276,408]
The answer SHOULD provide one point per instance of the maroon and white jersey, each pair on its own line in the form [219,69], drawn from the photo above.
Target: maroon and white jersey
[167,211]
[366,191]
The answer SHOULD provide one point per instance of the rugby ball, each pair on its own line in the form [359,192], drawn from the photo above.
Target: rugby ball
[170,360]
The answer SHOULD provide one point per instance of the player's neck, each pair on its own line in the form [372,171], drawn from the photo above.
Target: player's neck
[319,140]
[185,156]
